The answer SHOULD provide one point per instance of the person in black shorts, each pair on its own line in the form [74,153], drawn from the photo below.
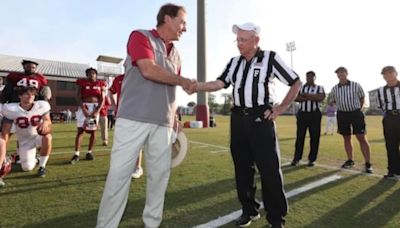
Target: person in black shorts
[349,98]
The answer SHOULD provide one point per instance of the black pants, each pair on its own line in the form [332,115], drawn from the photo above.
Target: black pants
[312,122]
[391,131]
[111,121]
[253,142]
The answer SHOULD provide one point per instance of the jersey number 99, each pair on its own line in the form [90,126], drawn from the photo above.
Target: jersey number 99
[25,122]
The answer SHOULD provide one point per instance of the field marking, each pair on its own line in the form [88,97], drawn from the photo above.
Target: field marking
[288,163]
[219,151]
[234,215]
[72,151]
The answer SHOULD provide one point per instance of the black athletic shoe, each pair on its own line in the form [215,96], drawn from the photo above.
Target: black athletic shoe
[391,176]
[294,163]
[89,156]
[74,159]
[310,164]
[245,220]
[42,172]
[348,164]
[368,167]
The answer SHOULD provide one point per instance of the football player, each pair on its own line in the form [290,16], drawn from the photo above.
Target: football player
[30,77]
[5,164]
[91,91]
[32,128]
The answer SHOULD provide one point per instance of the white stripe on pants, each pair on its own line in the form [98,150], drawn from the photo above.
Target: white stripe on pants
[130,136]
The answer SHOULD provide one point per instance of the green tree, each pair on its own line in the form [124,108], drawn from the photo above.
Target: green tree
[212,103]
[226,107]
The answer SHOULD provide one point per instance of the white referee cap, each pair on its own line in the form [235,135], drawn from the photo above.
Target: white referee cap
[249,26]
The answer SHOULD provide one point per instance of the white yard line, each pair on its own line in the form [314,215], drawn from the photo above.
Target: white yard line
[71,152]
[288,163]
[234,215]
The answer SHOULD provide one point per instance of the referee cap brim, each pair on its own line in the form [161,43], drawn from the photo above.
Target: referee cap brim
[388,69]
[249,26]
[341,69]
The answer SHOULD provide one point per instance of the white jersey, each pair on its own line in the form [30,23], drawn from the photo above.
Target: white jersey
[26,121]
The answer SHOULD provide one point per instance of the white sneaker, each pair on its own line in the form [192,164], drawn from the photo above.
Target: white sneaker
[138,173]
[2,184]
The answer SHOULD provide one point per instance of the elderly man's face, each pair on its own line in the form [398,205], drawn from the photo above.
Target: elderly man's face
[29,68]
[246,41]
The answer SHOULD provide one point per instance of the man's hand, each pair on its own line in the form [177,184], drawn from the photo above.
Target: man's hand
[272,114]
[189,85]
[177,126]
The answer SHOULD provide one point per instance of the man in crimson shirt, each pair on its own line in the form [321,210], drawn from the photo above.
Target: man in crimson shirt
[146,115]
[91,93]
[115,90]
[28,78]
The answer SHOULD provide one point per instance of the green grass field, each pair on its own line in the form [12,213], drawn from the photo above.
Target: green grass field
[202,188]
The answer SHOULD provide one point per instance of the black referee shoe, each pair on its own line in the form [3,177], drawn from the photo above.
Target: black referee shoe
[348,164]
[294,163]
[245,220]
[368,167]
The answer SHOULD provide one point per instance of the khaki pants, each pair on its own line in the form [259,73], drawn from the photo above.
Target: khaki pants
[104,128]
[129,137]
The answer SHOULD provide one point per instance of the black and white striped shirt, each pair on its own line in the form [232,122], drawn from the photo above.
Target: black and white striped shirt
[309,105]
[389,97]
[253,81]
[347,96]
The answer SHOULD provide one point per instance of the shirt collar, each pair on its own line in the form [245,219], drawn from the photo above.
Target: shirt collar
[347,83]
[155,33]
[259,55]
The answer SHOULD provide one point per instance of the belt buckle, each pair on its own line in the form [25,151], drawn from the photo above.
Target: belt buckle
[395,112]
[245,111]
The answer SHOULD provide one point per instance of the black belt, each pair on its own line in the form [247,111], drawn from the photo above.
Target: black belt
[393,112]
[250,111]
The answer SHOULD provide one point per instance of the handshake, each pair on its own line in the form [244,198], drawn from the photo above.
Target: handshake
[190,86]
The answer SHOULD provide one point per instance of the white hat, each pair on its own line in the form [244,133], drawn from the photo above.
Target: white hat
[179,149]
[247,27]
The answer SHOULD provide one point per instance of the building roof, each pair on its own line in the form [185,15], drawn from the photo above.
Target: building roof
[10,63]
[109,59]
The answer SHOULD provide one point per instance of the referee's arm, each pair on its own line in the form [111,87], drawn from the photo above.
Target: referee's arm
[362,100]
[290,96]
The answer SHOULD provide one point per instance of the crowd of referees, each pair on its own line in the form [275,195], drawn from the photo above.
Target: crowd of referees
[349,98]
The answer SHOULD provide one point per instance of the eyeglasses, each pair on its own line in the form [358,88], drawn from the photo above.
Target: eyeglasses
[241,40]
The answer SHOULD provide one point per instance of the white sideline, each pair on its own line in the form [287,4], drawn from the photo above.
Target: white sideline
[234,215]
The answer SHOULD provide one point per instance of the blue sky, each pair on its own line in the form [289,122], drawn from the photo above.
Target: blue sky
[360,35]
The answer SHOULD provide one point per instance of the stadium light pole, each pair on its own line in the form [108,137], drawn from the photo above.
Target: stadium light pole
[291,47]
[202,111]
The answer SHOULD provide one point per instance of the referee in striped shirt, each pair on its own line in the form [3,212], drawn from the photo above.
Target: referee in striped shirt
[389,101]
[308,117]
[349,98]
[253,138]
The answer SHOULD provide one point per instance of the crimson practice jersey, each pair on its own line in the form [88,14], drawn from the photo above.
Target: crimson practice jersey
[116,86]
[26,122]
[15,79]
[91,89]
[20,79]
